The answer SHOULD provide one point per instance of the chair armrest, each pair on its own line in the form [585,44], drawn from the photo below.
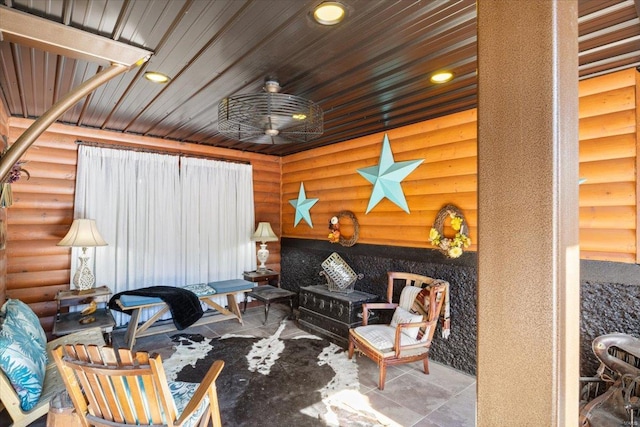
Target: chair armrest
[10,400]
[424,343]
[377,305]
[207,386]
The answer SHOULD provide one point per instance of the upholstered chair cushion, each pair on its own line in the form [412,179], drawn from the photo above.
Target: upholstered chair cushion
[404,316]
[382,337]
[23,353]
[182,393]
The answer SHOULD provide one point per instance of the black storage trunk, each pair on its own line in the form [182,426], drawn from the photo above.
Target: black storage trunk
[332,313]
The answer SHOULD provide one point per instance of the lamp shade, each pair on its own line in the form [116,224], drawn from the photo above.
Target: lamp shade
[264,233]
[83,234]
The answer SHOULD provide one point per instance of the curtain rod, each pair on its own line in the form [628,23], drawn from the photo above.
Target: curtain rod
[157,151]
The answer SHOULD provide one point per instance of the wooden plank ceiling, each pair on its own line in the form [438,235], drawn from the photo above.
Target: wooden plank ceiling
[369,73]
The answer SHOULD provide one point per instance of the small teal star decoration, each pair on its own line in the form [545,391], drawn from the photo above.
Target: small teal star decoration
[387,176]
[302,205]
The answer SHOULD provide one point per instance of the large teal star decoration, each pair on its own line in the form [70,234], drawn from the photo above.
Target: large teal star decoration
[387,176]
[302,205]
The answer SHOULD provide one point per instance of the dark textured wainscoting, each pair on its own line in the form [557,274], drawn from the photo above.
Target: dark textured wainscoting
[609,292]
[609,302]
[301,261]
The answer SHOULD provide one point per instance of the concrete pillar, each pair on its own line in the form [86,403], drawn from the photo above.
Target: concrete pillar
[528,255]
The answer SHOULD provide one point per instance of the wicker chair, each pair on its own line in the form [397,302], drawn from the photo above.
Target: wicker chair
[125,388]
[400,342]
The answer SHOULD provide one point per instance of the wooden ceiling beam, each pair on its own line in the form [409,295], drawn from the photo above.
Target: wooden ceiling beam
[32,31]
[48,36]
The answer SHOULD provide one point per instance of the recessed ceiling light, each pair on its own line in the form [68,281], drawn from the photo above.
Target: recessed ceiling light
[156,77]
[299,116]
[329,13]
[441,77]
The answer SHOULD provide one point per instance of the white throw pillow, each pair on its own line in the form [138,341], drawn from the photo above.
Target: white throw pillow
[403,316]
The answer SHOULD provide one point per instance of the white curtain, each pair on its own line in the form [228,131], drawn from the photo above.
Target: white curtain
[164,227]
[217,220]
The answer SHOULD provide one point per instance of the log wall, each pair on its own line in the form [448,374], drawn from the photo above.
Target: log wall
[608,160]
[4,140]
[43,207]
[448,145]
[447,175]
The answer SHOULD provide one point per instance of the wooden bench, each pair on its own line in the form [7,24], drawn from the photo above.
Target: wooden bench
[205,292]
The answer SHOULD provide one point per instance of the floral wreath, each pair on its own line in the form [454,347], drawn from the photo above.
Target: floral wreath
[334,229]
[451,247]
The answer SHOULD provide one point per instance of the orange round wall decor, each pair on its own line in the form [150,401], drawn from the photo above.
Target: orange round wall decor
[335,236]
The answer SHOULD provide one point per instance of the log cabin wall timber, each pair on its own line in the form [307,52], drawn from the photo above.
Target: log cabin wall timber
[608,161]
[448,145]
[391,240]
[448,175]
[4,139]
[42,211]
[43,205]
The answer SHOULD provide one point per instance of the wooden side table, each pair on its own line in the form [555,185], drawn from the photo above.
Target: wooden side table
[69,322]
[268,294]
[268,290]
[267,277]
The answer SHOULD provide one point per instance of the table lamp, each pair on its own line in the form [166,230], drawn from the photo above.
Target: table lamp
[264,233]
[83,234]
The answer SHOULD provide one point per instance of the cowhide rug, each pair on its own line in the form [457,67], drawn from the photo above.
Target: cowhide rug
[299,381]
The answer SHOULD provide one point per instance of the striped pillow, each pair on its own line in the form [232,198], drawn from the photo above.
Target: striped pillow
[421,306]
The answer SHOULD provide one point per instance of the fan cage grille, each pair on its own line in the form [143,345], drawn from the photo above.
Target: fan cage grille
[247,117]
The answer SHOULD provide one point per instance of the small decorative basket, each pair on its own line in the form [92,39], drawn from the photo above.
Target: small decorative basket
[340,277]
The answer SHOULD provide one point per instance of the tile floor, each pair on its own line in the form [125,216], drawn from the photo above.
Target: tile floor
[444,398]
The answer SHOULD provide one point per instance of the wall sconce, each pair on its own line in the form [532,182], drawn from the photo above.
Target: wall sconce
[83,234]
[264,233]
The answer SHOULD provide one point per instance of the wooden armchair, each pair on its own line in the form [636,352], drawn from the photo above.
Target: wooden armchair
[123,388]
[52,382]
[408,337]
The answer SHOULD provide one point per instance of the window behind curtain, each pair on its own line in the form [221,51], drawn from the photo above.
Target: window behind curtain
[168,220]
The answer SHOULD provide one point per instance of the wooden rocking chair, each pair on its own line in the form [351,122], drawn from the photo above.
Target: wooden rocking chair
[408,337]
[123,388]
